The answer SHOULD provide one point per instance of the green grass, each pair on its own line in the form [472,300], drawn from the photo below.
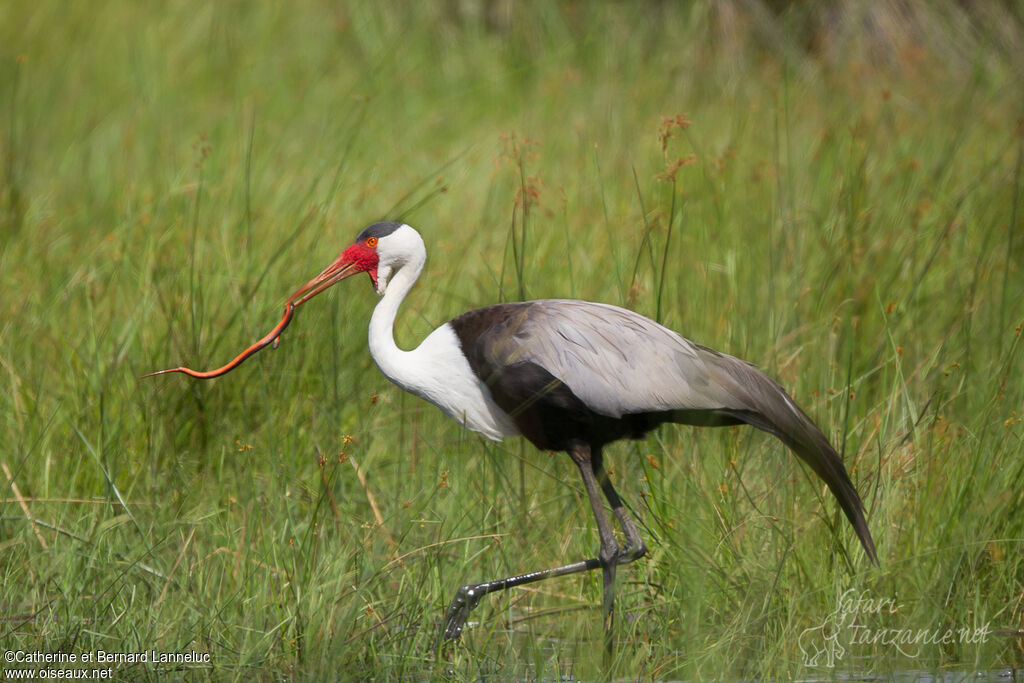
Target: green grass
[847,216]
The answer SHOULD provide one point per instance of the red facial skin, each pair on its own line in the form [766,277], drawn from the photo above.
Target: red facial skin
[363,255]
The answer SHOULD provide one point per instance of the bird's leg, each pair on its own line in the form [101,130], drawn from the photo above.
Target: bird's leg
[589,462]
[469,596]
[635,546]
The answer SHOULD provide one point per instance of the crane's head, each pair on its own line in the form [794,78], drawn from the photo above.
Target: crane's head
[380,250]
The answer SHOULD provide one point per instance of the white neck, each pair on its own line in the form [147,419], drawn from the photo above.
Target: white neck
[393,361]
[436,370]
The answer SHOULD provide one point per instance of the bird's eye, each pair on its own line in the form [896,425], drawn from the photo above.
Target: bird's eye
[371,242]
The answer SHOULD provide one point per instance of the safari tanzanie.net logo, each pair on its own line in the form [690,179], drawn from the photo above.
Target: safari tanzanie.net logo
[857,622]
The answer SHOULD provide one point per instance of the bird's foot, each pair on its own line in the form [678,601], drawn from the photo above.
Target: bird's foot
[465,600]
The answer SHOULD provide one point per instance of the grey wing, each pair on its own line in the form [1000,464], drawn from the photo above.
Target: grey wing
[619,362]
[616,361]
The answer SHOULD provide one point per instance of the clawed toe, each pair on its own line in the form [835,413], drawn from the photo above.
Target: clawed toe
[455,617]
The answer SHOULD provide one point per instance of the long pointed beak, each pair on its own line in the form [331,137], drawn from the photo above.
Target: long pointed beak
[344,266]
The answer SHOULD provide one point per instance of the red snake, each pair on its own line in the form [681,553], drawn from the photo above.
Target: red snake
[272,337]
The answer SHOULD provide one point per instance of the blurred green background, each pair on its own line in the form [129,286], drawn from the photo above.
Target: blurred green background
[830,190]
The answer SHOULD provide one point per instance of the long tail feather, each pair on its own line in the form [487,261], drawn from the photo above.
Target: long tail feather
[770,408]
